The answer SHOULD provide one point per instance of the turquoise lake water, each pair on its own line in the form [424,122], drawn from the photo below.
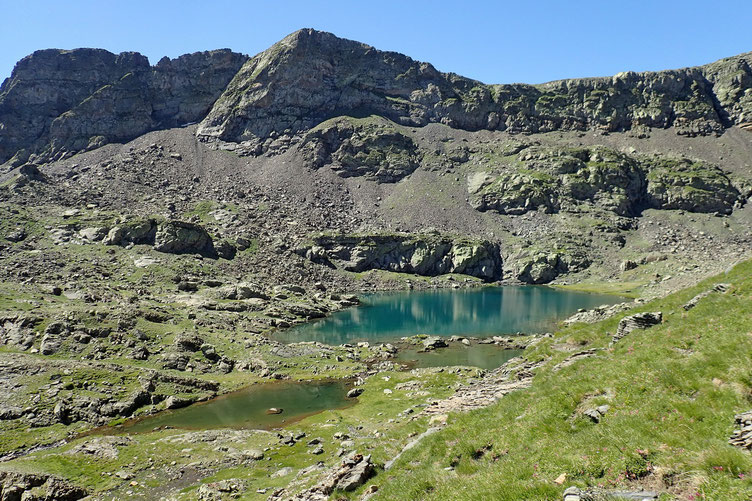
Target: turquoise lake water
[479,312]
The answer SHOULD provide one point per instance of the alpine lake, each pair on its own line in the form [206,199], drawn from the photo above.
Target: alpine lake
[385,318]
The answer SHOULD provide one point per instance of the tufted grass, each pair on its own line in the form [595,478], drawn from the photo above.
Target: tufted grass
[673,391]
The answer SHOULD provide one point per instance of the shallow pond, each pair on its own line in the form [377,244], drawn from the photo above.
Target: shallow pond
[247,408]
[479,312]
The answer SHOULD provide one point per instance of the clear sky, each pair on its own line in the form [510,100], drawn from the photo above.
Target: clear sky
[495,42]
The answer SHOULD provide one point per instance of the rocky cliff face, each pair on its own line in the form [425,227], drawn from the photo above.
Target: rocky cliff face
[311,76]
[427,255]
[59,102]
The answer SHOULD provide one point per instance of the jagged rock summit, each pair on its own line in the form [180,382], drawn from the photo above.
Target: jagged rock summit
[59,102]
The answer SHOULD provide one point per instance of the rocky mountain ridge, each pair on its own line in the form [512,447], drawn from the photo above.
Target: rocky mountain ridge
[58,102]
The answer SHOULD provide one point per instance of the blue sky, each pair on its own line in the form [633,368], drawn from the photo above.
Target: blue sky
[496,42]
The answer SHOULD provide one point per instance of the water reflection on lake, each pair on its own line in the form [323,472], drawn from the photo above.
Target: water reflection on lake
[478,312]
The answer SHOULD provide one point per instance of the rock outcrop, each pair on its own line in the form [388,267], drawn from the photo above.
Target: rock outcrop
[58,102]
[37,487]
[576,494]
[172,237]
[372,147]
[742,436]
[428,255]
[567,179]
[179,237]
[352,472]
[721,288]
[544,266]
[636,321]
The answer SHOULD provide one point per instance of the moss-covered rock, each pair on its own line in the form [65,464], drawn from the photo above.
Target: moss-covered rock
[556,179]
[428,255]
[690,185]
[543,266]
[563,179]
[371,147]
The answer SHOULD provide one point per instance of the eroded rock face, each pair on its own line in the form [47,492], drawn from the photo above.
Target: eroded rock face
[636,321]
[691,185]
[63,101]
[371,147]
[32,487]
[58,102]
[428,255]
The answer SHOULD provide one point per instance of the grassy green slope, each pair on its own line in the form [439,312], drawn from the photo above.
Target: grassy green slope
[673,391]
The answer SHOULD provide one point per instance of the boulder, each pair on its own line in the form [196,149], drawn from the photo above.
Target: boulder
[432,342]
[176,361]
[50,344]
[249,291]
[225,249]
[173,402]
[140,231]
[179,237]
[355,392]
[189,342]
[37,486]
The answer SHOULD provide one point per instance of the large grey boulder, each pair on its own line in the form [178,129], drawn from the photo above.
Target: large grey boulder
[140,231]
[179,237]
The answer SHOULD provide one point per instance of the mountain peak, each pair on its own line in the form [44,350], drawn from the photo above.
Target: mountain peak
[310,76]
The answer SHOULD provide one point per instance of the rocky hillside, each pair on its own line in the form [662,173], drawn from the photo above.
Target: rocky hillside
[330,134]
[311,76]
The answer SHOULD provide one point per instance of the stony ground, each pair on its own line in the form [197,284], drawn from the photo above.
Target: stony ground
[110,310]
